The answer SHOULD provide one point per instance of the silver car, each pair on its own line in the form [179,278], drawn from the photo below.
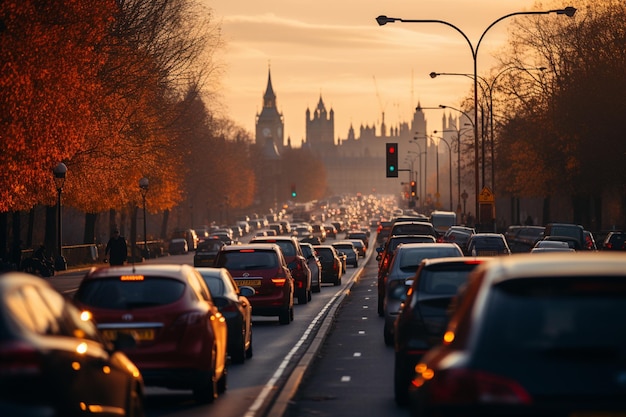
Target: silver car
[406,260]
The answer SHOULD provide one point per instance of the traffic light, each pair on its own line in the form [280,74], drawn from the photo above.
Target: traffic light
[413,189]
[392,160]
[294,194]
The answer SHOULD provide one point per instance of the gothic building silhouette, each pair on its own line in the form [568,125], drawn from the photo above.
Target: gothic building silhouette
[356,163]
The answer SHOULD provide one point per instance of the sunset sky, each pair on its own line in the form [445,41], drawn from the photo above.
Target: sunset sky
[336,49]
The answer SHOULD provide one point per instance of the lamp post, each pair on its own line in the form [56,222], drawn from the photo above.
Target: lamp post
[382,20]
[143,189]
[59,180]
[488,91]
[449,162]
[419,154]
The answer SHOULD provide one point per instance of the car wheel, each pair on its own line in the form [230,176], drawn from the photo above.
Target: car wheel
[239,353]
[249,351]
[317,288]
[205,388]
[303,297]
[388,335]
[401,379]
[291,314]
[135,406]
[284,317]
[309,295]
[222,383]
[355,264]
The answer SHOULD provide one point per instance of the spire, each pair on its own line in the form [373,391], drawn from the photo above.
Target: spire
[269,98]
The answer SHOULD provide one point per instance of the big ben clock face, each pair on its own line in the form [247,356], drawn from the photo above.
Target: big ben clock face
[266,131]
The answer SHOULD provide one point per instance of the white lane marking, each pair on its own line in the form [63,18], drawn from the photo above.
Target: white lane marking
[361,331]
[357,354]
[345,379]
[270,385]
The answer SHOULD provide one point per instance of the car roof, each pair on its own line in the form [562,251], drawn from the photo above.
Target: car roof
[249,246]
[457,259]
[165,270]
[555,264]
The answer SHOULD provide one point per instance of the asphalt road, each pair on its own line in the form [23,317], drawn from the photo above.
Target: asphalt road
[352,374]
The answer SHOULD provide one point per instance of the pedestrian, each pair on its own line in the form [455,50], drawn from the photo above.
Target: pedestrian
[116,249]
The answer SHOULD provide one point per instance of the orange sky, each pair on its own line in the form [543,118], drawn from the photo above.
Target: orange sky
[336,49]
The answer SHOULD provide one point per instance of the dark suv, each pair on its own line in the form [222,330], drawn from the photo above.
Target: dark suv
[262,267]
[295,261]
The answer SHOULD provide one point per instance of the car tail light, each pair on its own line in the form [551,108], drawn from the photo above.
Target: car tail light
[279,282]
[189,319]
[468,386]
[19,359]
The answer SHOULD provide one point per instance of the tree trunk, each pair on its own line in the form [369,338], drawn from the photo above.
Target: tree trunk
[31,228]
[90,228]
[166,216]
[546,211]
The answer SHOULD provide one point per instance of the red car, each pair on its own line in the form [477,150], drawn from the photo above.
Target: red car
[181,335]
[295,261]
[262,267]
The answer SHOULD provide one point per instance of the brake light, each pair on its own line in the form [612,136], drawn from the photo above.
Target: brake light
[189,319]
[17,358]
[466,386]
[279,282]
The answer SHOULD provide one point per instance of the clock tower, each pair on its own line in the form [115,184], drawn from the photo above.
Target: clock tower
[270,123]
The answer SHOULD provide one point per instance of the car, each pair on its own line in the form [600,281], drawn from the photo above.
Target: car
[189,235]
[319,231]
[358,235]
[302,231]
[277,227]
[614,241]
[206,252]
[177,246]
[331,264]
[314,265]
[442,220]
[423,317]
[457,234]
[181,335]
[224,237]
[522,238]
[385,256]
[232,301]
[295,261]
[383,230]
[406,260]
[531,336]
[590,241]
[487,244]
[567,229]
[359,246]
[347,247]
[331,231]
[52,357]
[263,267]
[551,246]
[413,228]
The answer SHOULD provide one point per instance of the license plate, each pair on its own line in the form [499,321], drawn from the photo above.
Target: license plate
[138,334]
[249,282]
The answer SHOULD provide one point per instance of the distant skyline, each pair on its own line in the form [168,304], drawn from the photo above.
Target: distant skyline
[337,50]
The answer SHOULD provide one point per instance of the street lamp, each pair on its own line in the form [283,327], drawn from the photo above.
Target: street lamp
[143,189]
[59,172]
[382,20]
[488,91]
[449,162]
[458,164]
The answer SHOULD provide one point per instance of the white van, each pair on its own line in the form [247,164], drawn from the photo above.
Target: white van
[442,220]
